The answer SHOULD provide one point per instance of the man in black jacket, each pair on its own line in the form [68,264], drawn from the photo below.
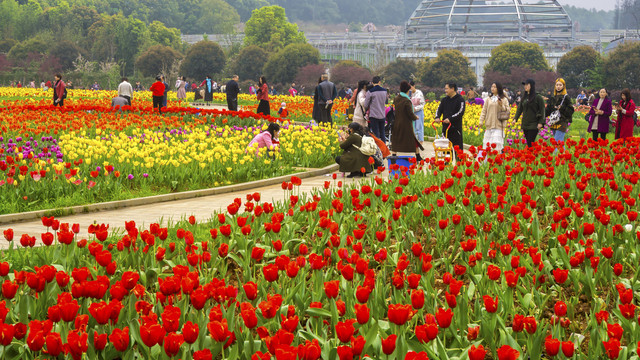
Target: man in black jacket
[232,91]
[451,110]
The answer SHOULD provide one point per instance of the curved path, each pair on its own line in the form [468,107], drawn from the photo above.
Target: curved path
[201,207]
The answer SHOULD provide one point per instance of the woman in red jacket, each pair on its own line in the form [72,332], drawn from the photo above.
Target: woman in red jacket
[625,110]
[263,96]
[58,91]
[157,89]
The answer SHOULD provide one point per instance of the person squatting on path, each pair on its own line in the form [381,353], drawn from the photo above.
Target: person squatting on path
[352,160]
[494,127]
[451,109]
[267,139]
[531,107]
[562,102]
[600,113]
[403,137]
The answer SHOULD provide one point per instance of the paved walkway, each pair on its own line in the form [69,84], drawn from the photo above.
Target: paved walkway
[202,208]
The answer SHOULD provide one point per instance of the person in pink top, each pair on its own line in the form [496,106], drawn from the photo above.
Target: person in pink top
[263,96]
[268,139]
[292,90]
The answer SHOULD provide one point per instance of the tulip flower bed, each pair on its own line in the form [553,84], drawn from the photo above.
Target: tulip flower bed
[530,255]
[89,153]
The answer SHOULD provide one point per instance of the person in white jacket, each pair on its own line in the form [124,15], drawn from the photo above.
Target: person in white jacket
[359,113]
[417,99]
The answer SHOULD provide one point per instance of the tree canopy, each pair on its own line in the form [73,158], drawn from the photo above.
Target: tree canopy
[249,62]
[622,67]
[283,66]
[268,28]
[574,66]
[399,70]
[203,58]
[448,66]
[349,73]
[518,54]
[157,59]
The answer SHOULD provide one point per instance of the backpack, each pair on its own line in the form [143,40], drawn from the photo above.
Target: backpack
[368,146]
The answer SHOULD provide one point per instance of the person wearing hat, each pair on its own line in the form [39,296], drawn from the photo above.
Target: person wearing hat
[562,102]
[532,109]
[283,110]
[157,90]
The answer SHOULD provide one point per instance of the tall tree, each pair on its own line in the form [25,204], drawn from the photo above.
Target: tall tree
[448,66]
[622,66]
[399,70]
[217,17]
[268,28]
[249,62]
[156,60]
[283,66]
[518,54]
[349,73]
[203,58]
[574,65]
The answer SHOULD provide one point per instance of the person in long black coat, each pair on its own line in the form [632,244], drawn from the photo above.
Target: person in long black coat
[403,138]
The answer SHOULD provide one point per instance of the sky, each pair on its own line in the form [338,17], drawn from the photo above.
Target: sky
[589,4]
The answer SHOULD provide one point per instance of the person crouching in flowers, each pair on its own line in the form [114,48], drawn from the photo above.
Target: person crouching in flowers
[267,139]
[494,127]
[283,112]
[352,160]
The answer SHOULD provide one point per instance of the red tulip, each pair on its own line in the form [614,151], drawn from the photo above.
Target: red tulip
[120,339]
[568,348]
[612,348]
[506,352]
[270,272]
[54,344]
[477,353]
[490,304]
[344,330]
[389,344]
[99,341]
[172,343]
[331,288]
[399,314]
[443,317]
[560,308]
[190,332]
[417,299]
[362,313]
[251,290]
[552,346]
[344,353]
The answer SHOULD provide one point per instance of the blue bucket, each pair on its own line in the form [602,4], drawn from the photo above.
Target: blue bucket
[403,162]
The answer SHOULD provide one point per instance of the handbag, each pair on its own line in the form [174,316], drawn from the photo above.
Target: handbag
[504,115]
[555,116]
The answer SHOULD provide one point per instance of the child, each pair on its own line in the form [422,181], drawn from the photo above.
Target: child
[283,112]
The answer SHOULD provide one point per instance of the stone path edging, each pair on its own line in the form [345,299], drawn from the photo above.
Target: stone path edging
[111,205]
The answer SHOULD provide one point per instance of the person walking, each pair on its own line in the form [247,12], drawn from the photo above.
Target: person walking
[359,114]
[403,137]
[625,109]
[352,159]
[326,94]
[181,94]
[125,90]
[157,91]
[232,90]
[532,109]
[417,99]
[451,110]
[58,91]
[262,94]
[375,101]
[292,90]
[208,89]
[600,113]
[489,118]
[561,102]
